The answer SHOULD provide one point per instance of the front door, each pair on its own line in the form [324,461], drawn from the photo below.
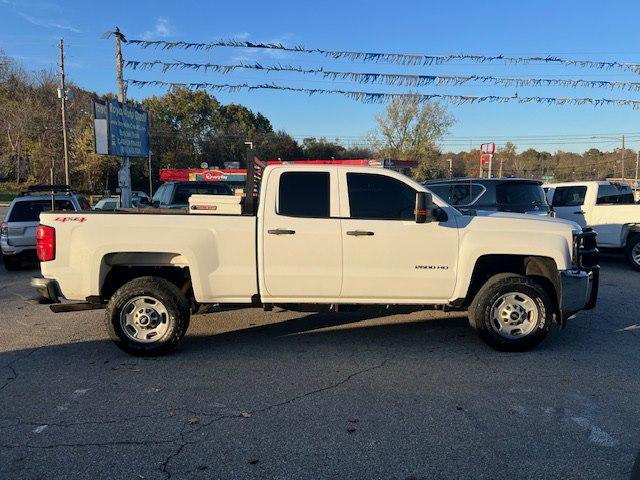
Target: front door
[568,203]
[301,249]
[387,257]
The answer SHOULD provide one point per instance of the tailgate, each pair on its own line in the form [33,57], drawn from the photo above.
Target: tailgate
[22,234]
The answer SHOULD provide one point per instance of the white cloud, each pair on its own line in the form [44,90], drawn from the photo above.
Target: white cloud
[162,29]
[48,23]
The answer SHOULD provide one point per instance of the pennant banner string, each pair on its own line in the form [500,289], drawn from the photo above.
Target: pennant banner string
[398,58]
[380,97]
[391,79]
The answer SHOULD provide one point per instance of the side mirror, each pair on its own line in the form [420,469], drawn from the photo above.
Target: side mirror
[425,209]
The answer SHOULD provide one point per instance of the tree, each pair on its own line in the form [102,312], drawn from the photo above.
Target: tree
[410,130]
[321,149]
[278,145]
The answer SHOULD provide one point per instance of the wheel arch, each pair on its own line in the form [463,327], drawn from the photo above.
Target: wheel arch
[118,268]
[543,269]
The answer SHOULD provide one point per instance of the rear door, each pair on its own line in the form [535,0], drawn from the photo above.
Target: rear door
[301,245]
[568,203]
[386,255]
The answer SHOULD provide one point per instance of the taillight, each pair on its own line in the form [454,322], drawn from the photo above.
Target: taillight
[46,243]
[4,230]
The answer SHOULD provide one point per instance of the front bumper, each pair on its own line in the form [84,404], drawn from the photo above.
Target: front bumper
[579,290]
[47,289]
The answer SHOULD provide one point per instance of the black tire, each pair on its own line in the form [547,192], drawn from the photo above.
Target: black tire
[175,320]
[11,264]
[631,244]
[482,320]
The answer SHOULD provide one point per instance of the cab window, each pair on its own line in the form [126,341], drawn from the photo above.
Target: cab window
[379,197]
[304,194]
[615,195]
[569,196]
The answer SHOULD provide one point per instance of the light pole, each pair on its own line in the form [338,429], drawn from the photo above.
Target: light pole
[62,94]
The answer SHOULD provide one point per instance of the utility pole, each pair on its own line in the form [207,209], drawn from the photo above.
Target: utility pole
[622,158]
[124,174]
[501,162]
[635,183]
[63,104]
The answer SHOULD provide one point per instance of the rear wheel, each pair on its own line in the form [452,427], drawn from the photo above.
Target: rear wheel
[511,312]
[11,263]
[633,252]
[147,316]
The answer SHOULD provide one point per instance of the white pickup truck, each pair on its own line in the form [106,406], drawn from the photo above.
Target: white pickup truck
[321,237]
[608,208]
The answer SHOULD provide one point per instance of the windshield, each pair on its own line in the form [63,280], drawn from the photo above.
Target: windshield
[521,194]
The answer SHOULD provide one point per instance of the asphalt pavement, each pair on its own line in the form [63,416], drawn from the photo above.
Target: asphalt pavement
[285,395]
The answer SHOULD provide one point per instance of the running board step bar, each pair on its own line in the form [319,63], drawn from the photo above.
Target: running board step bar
[76,307]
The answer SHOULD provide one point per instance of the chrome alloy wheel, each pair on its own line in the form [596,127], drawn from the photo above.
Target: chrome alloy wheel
[635,253]
[514,315]
[144,319]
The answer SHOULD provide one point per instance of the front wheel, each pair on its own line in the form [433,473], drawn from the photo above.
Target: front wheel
[511,312]
[632,251]
[147,316]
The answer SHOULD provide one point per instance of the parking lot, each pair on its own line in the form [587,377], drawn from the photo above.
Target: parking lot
[291,395]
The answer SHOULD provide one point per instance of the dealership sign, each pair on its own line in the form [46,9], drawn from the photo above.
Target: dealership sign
[120,129]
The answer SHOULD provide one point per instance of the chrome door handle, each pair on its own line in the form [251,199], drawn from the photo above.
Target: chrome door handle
[360,233]
[280,231]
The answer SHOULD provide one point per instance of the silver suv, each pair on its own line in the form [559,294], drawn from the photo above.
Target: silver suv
[18,230]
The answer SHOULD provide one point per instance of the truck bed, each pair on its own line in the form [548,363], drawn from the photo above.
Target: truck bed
[219,250]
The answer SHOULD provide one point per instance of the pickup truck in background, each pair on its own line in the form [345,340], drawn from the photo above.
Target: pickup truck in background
[608,208]
[314,238]
[176,194]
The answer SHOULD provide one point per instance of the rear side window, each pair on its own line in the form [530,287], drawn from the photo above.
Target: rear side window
[615,195]
[520,194]
[29,211]
[304,194]
[183,192]
[458,194]
[380,197]
[84,203]
[569,196]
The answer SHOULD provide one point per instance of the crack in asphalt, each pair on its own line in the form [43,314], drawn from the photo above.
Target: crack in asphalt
[89,444]
[14,372]
[164,467]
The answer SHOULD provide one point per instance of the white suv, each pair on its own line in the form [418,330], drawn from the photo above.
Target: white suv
[18,230]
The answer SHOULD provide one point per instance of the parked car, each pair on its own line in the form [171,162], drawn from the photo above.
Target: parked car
[108,203]
[18,230]
[516,195]
[176,194]
[322,236]
[609,208]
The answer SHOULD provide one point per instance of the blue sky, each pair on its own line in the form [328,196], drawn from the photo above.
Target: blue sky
[29,30]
